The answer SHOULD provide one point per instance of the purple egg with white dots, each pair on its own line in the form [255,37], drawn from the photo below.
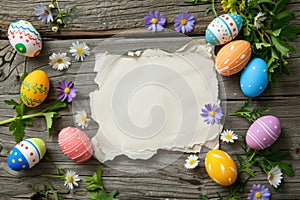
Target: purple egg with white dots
[263,132]
[254,78]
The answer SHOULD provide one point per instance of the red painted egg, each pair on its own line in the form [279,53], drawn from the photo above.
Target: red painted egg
[233,57]
[75,144]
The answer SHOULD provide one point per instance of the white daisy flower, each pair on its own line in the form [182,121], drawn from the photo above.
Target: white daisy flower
[59,61]
[79,50]
[81,119]
[191,162]
[258,19]
[275,176]
[228,136]
[71,179]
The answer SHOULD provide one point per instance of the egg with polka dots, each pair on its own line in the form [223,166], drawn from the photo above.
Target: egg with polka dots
[254,78]
[263,132]
[75,144]
[26,154]
[24,38]
[223,29]
[233,57]
[220,167]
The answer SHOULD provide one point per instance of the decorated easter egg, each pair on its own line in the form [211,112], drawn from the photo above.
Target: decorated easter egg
[26,154]
[254,78]
[220,167]
[223,29]
[75,144]
[233,57]
[34,88]
[263,132]
[24,38]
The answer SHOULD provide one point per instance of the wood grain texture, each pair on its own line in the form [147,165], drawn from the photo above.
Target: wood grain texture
[108,17]
[103,18]
[171,182]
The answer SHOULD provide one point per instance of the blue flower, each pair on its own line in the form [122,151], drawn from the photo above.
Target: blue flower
[154,21]
[212,113]
[259,192]
[43,13]
[184,22]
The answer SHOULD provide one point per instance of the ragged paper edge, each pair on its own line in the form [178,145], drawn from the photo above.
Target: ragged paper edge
[195,46]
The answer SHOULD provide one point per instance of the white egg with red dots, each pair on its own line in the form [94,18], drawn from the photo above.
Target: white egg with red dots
[223,29]
[26,154]
[24,38]
[254,78]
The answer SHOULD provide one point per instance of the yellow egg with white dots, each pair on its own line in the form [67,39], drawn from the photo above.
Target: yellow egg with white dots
[220,167]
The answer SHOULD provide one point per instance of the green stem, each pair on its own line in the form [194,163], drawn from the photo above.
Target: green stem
[57,5]
[39,114]
[213,8]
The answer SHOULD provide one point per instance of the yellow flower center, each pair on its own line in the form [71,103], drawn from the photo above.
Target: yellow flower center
[79,50]
[271,176]
[83,118]
[212,113]
[192,162]
[184,22]
[228,136]
[70,179]
[154,21]
[257,195]
[46,12]
[59,60]
[67,90]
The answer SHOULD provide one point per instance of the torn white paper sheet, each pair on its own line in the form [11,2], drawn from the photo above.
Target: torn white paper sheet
[152,100]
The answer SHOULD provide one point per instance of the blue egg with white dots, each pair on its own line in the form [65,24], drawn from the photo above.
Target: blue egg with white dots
[26,154]
[254,78]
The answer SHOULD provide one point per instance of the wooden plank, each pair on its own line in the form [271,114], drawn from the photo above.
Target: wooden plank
[172,182]
[109,17]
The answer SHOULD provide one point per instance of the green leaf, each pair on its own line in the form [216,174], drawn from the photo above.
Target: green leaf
[92,187]
[279,6]
[95,196]
[291,32]
[13,125]
[276,33]
[57,105]
[19,131]
[280,46]
[203,197]
[261,45]
[48,116]
[11,102]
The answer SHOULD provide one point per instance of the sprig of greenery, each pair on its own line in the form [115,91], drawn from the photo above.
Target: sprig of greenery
[266,25]
[96,188]
[43,194]
[250,115]
[60,20]
[21,120]
[265,160]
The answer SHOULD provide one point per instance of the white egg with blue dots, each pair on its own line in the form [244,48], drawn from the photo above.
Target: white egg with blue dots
[254,78]
[26,154]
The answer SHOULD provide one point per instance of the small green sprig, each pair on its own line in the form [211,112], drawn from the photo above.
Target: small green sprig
[21,120]
[44,194]
[96,188]
[250,115]
[60,20]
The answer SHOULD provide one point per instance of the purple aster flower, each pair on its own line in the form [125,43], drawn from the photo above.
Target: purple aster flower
[184,22]
[66,90]
[212,113]
[154,21]
[43,13]
[259,192]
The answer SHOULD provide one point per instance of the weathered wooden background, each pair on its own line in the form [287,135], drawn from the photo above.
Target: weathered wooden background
[93,21]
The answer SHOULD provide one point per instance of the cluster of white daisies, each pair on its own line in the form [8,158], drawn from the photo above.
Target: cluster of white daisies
[61,61]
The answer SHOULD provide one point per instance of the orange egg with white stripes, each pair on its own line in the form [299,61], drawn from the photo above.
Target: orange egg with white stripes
[220,167]
[233,57]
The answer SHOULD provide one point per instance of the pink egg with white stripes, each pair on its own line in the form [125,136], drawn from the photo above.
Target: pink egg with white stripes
[75,144]
[263,132]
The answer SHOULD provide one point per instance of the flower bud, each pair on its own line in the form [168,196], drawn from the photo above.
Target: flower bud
[51,6]
[54,29]
[59,21]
